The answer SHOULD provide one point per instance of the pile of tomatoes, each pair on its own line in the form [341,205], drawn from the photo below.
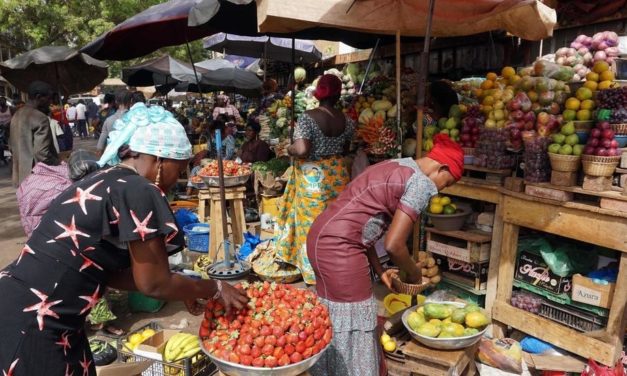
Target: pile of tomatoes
[282,325]
[231,168]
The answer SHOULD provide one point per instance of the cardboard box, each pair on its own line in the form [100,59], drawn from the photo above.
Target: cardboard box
[123,369]
[588,292]
[467,269]
[153,347]
[532,269]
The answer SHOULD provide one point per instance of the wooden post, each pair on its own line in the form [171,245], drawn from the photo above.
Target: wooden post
[422,79]
[398,90]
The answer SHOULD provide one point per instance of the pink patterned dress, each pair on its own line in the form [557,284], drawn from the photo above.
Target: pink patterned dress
[336,247]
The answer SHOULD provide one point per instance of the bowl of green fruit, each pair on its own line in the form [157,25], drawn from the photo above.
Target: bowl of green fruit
[446,325]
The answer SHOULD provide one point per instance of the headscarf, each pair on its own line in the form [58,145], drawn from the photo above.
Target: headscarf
[449,153]
[148,130]
[328,86]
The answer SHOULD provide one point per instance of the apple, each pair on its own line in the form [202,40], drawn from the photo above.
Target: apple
[554,108]
[603,125]
[607,134]
[572,140]
[594,142]
[601,152]
[465,137]
[543,118]
[529,116]
[544,131]
[595,133]
[554,148]
[515,104]
[520,125]
[614,144]
[615,152]
[606,143]
[517,114]
[515,134]
[589,150]
[529,126]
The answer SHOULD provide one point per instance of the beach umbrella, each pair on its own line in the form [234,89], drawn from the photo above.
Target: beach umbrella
[265,47]
[66,69]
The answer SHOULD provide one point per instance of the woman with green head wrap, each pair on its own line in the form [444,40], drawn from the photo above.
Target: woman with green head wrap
[112,228]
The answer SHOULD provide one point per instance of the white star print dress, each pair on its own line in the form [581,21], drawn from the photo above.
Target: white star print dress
[62,271]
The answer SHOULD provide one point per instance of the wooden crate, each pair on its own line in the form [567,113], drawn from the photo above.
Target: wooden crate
[414,359]
[612,199]
[485,175]
[468,246]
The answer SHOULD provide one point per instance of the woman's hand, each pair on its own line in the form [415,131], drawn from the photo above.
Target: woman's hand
[386,278]
[232,298]
[194,306]
[416,278]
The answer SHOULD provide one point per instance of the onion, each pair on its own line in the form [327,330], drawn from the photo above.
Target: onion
[576,45]
[612,51]
[610,59]
[576,78]
[587,58]
[602,46]
[581,38]
[571,60]
[582,72]
[561,52]
[583,50]
[588,41]
[612,39]
[600,55]
[561,60]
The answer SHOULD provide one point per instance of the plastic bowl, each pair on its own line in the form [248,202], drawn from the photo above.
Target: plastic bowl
[396,302]
[622,140]
[444,343]
[229,181]
[583,136]
[450,222]
[234,369]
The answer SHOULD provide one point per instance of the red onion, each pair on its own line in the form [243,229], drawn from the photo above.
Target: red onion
[583,50]
[600,55]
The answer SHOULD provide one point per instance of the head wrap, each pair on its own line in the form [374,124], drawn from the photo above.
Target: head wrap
[449,153]
[148,130]
[254,126]
[328,86]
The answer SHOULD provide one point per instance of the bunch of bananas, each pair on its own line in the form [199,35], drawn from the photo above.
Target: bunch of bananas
[181,346]
[201,265]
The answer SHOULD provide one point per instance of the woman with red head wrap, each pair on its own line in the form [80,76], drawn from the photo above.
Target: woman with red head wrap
[321,137]
[383,201]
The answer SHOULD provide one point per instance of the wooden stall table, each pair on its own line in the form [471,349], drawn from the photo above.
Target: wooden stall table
[235,197]
[576,220]
[415,359]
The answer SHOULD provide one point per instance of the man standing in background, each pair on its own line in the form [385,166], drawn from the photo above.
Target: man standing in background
[70,114]
[123,103]
[81,119]
[5,121]
[31,137]
[92,117]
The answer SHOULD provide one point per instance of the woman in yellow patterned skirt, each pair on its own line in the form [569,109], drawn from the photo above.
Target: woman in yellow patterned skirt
[319,175]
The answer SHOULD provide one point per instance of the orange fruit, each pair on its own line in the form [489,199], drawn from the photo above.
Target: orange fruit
[592,85]
[508,72]
[488,101]
[584,115]
[607,75]
[573,103]
[592,76]
[491,76]
[487,84]
[587,104]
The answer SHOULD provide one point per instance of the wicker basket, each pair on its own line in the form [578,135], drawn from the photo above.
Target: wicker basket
[599,166]
[406,288]
[619,128]
[564,163]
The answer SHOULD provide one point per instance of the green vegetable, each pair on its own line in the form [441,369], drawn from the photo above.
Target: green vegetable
[276,166]
[101,313]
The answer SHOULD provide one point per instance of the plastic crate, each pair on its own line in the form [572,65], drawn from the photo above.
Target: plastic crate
[197,365]
[197,241]
[571,317]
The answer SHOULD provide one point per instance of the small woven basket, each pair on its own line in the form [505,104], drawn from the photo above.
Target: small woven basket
[599,166]
[407,288]
[564,163]
[619,129]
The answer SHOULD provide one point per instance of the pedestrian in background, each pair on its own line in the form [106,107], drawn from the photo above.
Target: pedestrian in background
[31,137]
[122,101]
[92,117]
[81,119]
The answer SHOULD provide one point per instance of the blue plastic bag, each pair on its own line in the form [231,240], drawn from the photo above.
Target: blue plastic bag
[250,243]
[185,217]
[533,345]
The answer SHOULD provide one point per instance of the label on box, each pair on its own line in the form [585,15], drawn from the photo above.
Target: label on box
[532,269]
[467,269]
[586,295]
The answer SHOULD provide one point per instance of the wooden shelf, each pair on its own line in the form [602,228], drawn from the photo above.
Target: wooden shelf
[475,236]
[502,172]
[615,194]
[475,190]
[555,334]
[464,287]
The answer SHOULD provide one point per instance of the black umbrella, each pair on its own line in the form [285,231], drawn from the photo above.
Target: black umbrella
[274,48]
[67,70]
[160,71]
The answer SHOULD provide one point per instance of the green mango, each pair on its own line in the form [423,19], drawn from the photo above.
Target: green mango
[470,332]
[437,311]
[415,320]
[472,308]
[428,330]
[458,316]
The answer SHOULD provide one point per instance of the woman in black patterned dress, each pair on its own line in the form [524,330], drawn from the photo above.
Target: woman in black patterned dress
[110,229]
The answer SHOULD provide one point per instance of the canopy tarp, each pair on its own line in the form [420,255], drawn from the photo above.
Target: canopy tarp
[160,71]
[527,19]
[273,48]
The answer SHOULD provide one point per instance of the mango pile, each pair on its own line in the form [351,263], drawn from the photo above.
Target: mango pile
[447,321]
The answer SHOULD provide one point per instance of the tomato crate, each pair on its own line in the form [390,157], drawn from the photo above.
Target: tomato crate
[471,246]
[197,365]
[572,317]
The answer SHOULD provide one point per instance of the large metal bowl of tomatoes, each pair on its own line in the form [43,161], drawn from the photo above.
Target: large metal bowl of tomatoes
[234,173]
[283,332]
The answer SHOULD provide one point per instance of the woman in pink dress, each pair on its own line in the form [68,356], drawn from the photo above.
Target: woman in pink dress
[386,199]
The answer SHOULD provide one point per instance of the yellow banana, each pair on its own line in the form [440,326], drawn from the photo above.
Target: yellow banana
[187,343]
[173,345]
[189,353]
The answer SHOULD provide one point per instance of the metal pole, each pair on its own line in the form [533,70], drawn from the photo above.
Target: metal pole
[374,50]
[398,89]
[422,80]
[225,227]
[191,60]
[293,122]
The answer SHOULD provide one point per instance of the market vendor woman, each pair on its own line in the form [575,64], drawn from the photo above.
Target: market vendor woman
[110,229]
[386,199]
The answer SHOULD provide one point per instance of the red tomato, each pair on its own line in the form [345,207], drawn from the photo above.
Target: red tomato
[277,331]
[247,338]
[308,353]
[254,332]
[302,335]
[246,360]
[209,315]
[296,357]
[260,341]
[255,324]
[317,347]
[267,350]
[258,362]
[244,349]
[284,360]
[292,338]
[328,335]
[233,357]
[265,330]
[319,333]
[281,341]
[270,340]
[255,352]
[278,352]
[204,332]
[289,349]
[300,347]
[309,342]
[235,324]
[270,362]
[309,330]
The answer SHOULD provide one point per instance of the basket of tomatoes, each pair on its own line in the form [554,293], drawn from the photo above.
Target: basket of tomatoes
[283,331]
[234,173]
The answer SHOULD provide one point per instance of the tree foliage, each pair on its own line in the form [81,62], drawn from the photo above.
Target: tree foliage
[29,24]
